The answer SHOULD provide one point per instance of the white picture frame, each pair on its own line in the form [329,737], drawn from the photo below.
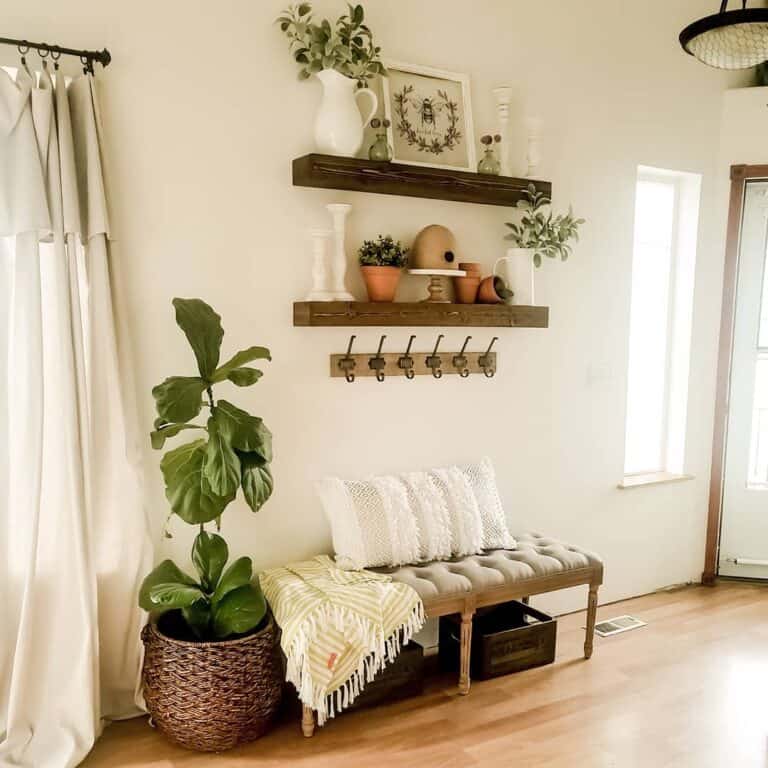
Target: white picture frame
[438,117]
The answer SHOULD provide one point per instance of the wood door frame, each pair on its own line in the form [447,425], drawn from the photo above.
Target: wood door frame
[740,175]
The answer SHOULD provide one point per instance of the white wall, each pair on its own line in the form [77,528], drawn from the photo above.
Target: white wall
[205,114]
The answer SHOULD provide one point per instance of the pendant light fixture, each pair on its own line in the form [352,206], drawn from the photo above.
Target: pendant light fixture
[729,39]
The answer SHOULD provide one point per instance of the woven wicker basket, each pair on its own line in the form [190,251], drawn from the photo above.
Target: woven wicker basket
[212,696]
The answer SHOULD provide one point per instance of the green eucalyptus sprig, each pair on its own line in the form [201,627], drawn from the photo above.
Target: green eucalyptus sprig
[382,252]
[346,46]
[545,234]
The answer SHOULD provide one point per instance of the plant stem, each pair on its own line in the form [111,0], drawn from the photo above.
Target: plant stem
[209,391]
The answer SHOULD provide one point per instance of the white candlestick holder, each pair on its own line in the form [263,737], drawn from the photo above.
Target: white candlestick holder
[321,275]
[339,213]
[503,96]
[533,126]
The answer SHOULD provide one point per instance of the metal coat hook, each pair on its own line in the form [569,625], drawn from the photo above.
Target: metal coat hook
[347,363]
[460,361]
[378,363]
[484,361]
[405,362]
[434,361]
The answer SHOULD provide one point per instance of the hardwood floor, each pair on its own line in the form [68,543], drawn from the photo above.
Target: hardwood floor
[687,691]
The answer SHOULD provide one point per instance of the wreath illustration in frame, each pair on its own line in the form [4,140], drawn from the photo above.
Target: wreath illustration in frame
[430,114]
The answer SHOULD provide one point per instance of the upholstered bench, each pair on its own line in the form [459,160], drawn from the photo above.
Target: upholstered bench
[462,585]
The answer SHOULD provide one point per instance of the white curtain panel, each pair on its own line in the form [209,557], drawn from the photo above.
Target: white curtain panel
[74,539]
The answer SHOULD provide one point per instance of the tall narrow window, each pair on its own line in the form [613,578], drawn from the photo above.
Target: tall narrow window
[663,261]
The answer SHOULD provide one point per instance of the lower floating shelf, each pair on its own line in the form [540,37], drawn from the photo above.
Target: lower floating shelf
[368,313]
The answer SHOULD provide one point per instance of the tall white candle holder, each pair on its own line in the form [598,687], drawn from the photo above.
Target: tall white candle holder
[503,96]
[533,126]
[339,213]
[321,274]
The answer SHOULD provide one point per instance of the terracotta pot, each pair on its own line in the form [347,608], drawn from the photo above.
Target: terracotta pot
[472,268]
[381,282]
[488,291]
[466,289]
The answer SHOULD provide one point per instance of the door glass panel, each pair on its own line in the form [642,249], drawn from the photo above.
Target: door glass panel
[758,470]
[762,340]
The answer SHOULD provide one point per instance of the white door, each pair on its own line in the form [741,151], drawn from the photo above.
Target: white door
[744,535]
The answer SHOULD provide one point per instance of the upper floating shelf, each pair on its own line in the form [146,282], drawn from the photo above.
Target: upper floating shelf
[422,313]
[348,173]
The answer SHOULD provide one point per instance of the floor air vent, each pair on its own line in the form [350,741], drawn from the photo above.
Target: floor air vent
[617,625]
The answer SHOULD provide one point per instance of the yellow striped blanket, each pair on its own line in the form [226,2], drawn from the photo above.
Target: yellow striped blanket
[339,628]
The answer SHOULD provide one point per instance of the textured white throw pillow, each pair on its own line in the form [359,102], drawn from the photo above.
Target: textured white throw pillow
[482,478]
[372,523]
[463,512]
[415,517]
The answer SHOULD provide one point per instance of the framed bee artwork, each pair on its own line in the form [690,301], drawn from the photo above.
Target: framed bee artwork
[430,115]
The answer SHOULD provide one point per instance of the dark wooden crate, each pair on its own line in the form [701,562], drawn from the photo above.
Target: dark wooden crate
[402,678]
[507,638]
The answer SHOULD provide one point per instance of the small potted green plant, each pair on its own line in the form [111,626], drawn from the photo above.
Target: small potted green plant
[538,234]
[211,676]
[343,57]
[381,262]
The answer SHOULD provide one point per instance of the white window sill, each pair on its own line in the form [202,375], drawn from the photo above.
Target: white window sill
[651,478]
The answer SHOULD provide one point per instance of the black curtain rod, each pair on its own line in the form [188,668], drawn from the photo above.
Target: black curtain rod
[86,57]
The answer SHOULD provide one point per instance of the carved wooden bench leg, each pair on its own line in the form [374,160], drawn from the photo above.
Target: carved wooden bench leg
[591,614]
[465,651]
[307,721]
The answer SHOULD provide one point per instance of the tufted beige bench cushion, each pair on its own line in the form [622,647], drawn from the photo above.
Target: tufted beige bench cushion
[536,557]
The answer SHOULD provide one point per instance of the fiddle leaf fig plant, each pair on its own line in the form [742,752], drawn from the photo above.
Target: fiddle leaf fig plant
[545,234]
[232,452]
[203,476]
[218,603]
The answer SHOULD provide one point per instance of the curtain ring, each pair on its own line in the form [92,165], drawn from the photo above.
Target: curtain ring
[42,51]
[55,55]
[23,49]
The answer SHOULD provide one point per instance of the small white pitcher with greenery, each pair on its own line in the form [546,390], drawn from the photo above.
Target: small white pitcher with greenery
[343,57]
[538,234]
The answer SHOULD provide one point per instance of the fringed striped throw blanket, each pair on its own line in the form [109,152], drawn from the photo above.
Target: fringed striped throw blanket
[339,628]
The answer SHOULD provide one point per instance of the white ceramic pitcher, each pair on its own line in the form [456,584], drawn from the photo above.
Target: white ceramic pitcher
[518,274]
[338,125]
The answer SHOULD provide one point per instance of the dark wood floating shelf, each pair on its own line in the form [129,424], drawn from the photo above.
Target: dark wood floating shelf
[348,173]
[363,313]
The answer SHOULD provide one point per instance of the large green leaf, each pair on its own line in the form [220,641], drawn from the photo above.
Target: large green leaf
[237,575]
[244,377]
[179,398]
[256,480]
[202,327]
[246,432]
[198,618]
[159,436]
[170,596]
[239,611]
[165,573]
[222,467]
[240,359]
[209,556]
[186,487]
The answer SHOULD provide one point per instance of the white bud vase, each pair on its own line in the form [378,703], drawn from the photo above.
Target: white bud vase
[517,272]
[339,125]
